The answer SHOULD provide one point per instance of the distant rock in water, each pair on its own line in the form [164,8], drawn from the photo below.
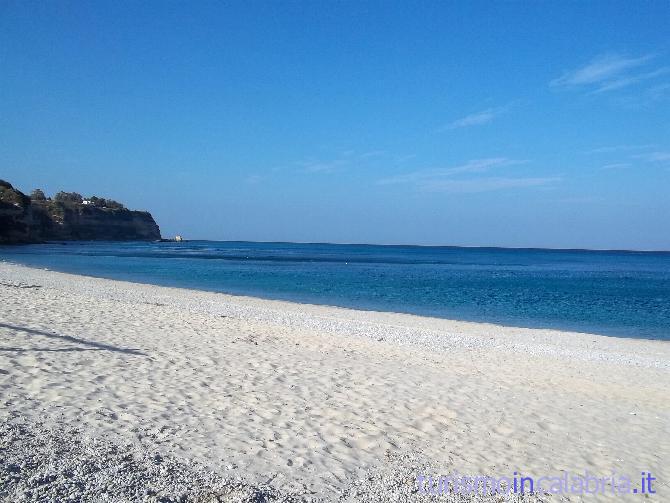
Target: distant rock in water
[69,217]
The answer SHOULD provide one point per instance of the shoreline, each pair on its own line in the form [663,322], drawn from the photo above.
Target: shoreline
[562,290]
[403,326]
[260,298]
[308,399]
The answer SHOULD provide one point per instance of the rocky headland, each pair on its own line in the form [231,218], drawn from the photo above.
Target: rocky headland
[69,217]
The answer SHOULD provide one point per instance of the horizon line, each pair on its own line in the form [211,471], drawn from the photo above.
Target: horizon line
[539,248]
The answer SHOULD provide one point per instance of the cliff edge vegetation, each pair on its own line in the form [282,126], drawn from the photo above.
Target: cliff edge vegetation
[69,217]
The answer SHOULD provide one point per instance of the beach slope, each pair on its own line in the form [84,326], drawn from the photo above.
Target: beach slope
[310,400]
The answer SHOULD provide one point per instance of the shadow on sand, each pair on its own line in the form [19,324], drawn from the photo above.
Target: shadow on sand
[91,345]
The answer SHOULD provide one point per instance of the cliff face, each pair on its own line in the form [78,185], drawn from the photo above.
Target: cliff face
[23,220]
[79,222]
[15,216]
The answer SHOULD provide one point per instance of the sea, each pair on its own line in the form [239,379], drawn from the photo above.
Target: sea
[613,293]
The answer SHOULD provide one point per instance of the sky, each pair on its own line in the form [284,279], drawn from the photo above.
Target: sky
[520,124]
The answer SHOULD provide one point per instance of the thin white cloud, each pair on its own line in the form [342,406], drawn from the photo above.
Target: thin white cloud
[631,79]
[467,177]
[404,158]
[619,148]
[659,91]
[347,158]
[610,72]
[599,70]
[644,154]
[323,166]
[616,165]
[472,166]
[372,154]
[476,119]
[487,184]
[481,165]
[579,200]
[254,179]
[654,157]
[646,98]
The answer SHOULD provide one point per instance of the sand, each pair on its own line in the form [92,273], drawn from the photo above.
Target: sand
[308,399]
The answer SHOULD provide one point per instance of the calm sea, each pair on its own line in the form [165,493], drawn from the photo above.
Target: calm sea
[612,293]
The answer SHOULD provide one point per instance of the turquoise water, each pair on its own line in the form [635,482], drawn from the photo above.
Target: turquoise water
[611,293]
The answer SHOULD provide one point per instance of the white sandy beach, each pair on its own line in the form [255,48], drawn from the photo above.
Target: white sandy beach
[307,398]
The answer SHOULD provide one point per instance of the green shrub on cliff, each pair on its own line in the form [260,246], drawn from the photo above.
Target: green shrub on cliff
[9,195]
[68,216]
[68,197]
[38,195]
[101,202]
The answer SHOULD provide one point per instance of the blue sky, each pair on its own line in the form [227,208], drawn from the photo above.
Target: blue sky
[466,123]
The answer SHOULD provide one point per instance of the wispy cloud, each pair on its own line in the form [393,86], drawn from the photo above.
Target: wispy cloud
[633,156]
[476,119]
[372,154]
[659,91]
[609,72]
[600,69]
[619,148]
[346,159]
[616,165]
[631,79]
[404,158]
[579,200]
[323,166]
[646,97]
[654,156]
[473,166]
[254,179]
[488,184]
[467,177]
